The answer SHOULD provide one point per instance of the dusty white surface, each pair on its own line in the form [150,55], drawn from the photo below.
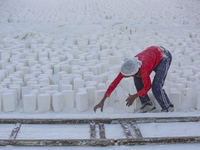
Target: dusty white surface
[170,129]
[5,130]
[54,132]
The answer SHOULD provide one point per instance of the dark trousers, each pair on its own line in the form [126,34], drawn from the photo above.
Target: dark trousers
[157,85]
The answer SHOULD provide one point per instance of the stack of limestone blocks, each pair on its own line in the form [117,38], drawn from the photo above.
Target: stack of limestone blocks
[65,74]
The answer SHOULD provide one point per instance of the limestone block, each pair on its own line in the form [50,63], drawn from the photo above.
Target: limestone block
[186,97]
[98,78]
[44,89]
[29,103]
[44,102]
[68,96]
[101,86]
[57,102]
[26,90]
[25,70]
[55,79]
[17,88]
[65,87]
[53,87]
[126,84]
[78,83]
[9,102]
[175,98]
[81,102]
[91,84]
[91,95]
[66,68]
[88,76]
[14,92]
[194,98]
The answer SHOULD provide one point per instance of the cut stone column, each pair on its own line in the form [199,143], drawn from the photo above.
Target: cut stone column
[44,102]
[81,101]
[9,102]
[68,96]
[57,102]
[29,103]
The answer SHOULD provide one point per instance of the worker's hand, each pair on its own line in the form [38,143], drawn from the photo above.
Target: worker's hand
[131,99]
[100,105]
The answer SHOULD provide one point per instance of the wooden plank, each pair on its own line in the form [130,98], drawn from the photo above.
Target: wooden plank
[159,140]
[92,131]
[127,132]
[55,121]
[102,131]
[156,119]
[136,129]
[101,120]
[15,131]
[55,142]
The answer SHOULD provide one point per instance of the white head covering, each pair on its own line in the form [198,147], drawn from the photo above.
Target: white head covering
[130,66]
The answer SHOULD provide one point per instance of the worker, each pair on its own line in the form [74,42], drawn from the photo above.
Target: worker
[154,58]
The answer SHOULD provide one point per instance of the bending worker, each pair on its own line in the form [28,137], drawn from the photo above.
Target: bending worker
[154,58]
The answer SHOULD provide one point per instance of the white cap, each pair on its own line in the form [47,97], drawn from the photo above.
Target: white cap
[130,66]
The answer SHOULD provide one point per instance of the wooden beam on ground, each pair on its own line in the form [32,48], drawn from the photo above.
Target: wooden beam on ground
[15,131]
[156,119]
[102,131]
[92,131]
[55,142]
[159,140]
[136,129]
[55,121]
[127,132]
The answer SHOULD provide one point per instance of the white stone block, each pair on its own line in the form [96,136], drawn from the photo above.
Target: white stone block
[81,102]
[44,89]
[65,87]
[54,87]
[44,102]
[175,98]
[14,92]
[68,96]
[186,97]
[91,95]
[26,90]
[57,102]
[29,103]
[9,102]
[121,95]
[78,83]
[126,84]
[98,78]
[66,68]
[17,88]
[25,70]
[101,86]
[55,79]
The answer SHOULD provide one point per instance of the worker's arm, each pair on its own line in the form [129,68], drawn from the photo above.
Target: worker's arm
[101,104]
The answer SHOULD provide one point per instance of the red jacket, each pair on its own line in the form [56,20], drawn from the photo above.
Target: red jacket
[150,59]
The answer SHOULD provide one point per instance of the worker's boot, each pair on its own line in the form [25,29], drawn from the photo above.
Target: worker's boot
[169,109]
[147,108]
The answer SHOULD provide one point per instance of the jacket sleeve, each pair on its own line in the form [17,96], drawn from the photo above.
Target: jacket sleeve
[147,85]
[114,84]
